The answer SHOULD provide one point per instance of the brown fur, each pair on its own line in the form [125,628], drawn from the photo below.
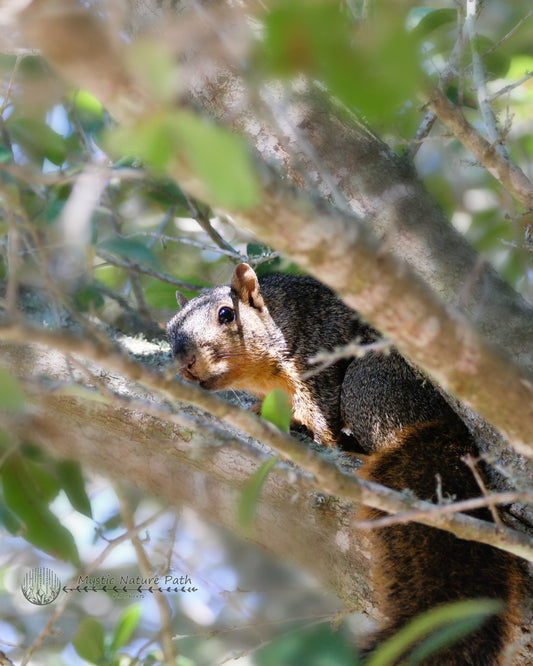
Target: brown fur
[417,568]
[392,413]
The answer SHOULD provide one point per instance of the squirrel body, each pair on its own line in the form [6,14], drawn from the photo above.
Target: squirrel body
[258,334]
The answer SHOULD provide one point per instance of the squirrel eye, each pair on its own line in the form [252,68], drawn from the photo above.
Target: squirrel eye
[226,315]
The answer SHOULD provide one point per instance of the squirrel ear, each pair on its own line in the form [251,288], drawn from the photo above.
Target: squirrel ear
[181,299]
[246,285]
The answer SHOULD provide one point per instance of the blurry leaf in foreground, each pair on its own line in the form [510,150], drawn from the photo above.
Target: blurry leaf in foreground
[12,397]
[89,641]
[314,646]
[220,158]
[432,631]
[73,483]
[43,528]
[38,139]
[252,491]
[372,68]
[217,156]
[126,625]
[276,408]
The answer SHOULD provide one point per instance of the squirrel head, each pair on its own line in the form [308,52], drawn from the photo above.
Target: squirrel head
[222,338]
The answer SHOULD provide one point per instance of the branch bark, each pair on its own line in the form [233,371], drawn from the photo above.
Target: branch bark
[181,458]
[329,479]
[508,174]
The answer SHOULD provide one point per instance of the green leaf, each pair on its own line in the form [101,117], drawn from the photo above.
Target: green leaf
[153,140]
[6,155]
[437,628]
[88,298]
[38,139]
[90,114]
[72,481]
[433,20]
[84,101]
[374,70]
[126,625]
[276,408]
[22,496]
[166,192]
[217,156]
[252,491]
[220,158]
[127,162]
[315,646]
[9,520]
[157,67]
[520,65]
[112,523]
[89,641]
[53,209]
[132,249]
[12,397]
[257,250]
[160,295]
[496,63]
[44,483]
[110,276]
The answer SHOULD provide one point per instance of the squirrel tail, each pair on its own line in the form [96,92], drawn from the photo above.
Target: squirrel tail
[417,568]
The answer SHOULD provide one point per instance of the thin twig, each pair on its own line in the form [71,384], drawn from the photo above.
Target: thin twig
[187,241]
[447,509]
[201,216]
[165,613]
[447,75]
[352,349]
[127,536]
[480,83]
[128,265]
[511,86]
[51,179]
[11,83]
[469,460]
[512,178]
[5,660]
[511,32]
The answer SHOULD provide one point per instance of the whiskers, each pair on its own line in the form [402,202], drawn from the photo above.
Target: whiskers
[225,354]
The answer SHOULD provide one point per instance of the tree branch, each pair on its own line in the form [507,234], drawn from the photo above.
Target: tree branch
[329,479]
[508,174]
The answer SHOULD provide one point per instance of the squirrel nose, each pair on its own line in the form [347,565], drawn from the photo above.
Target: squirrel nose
[184,357]
[189,362]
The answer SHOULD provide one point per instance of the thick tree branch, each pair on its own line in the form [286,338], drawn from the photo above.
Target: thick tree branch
[508,174]
[329,479]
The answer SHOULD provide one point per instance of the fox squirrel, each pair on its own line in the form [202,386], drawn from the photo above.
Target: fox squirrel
[258,335]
